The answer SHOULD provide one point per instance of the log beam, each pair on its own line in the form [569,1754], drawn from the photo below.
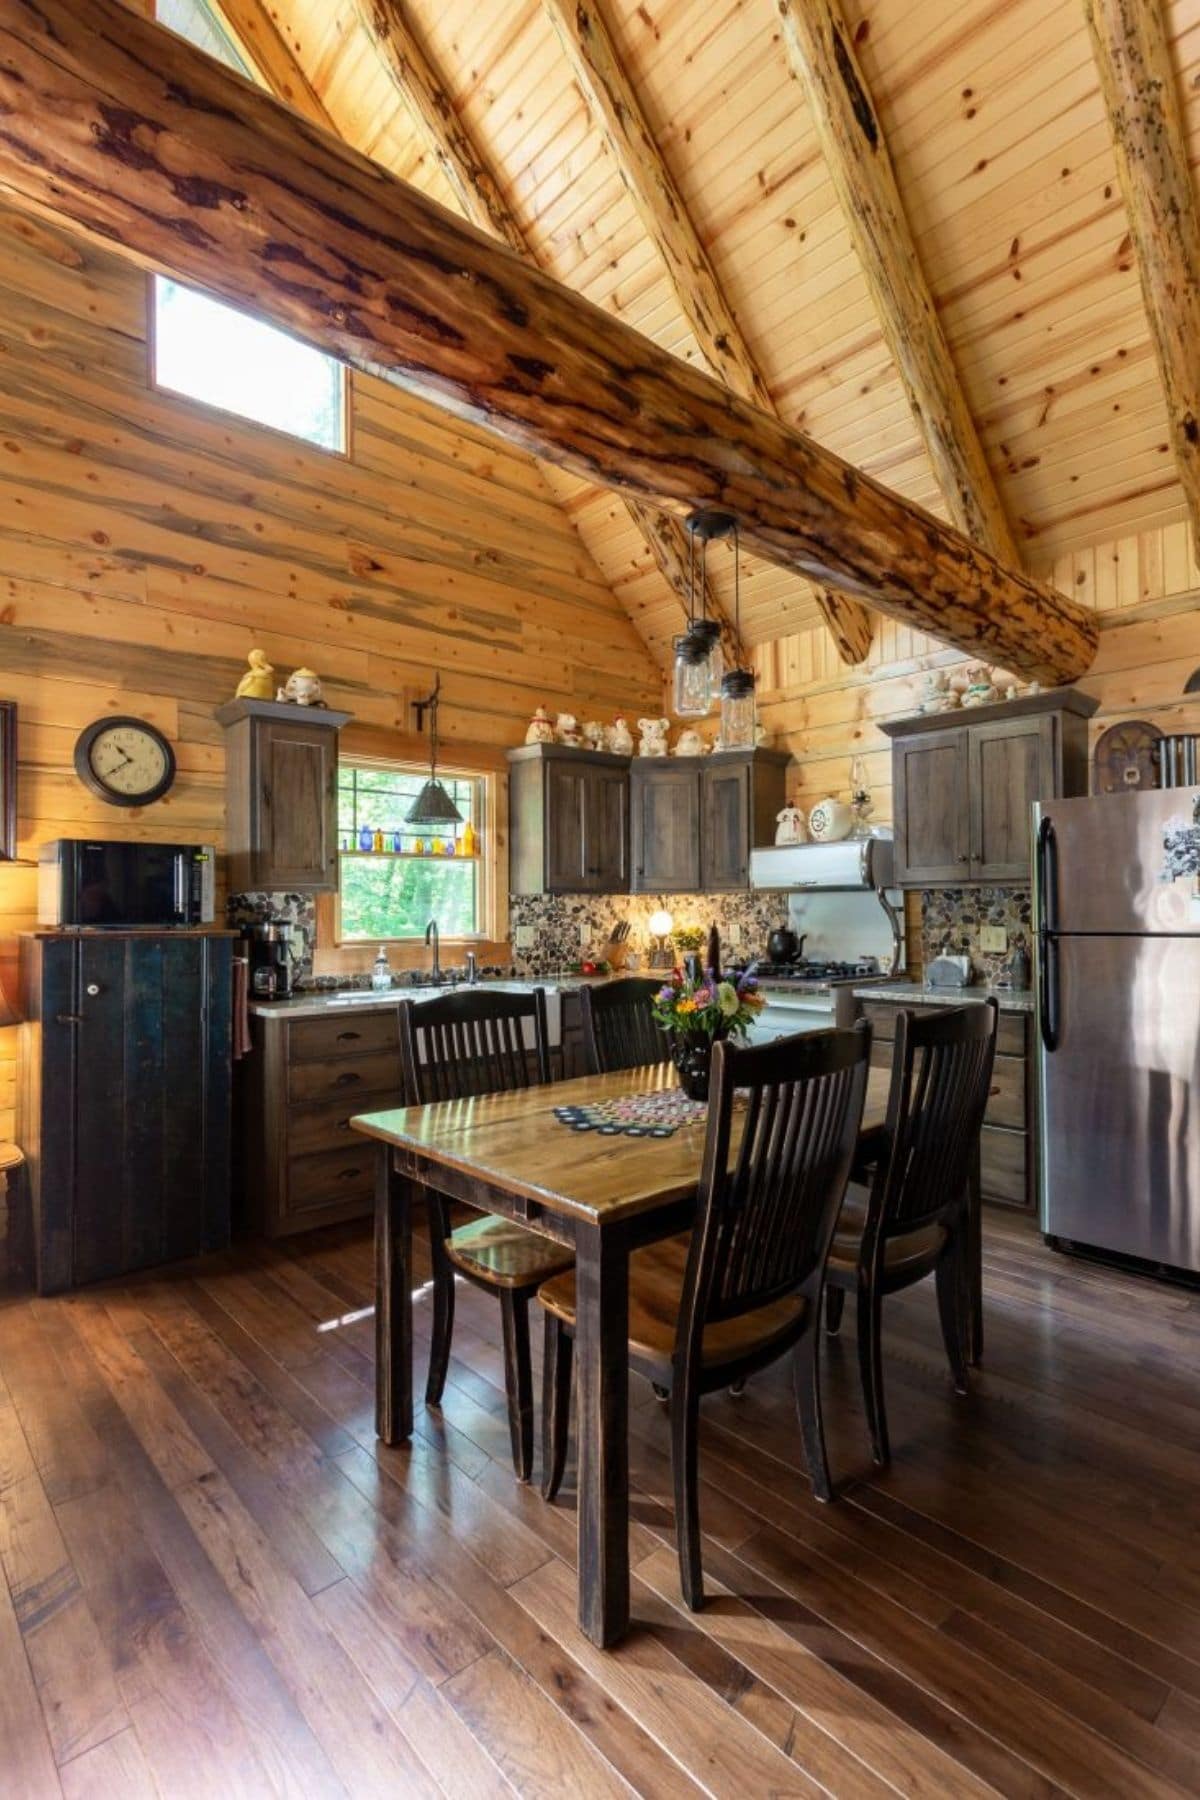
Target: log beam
[1138,80]
[617,111]
[820,53]
[119,130]
[482,200]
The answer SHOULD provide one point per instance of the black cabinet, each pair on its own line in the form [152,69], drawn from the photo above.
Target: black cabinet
[695,819]
[962,792]
[568,821]
[123,1107]
[281,795]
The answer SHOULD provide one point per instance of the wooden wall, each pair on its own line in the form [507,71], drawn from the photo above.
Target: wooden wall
[1146,589]
[146,543]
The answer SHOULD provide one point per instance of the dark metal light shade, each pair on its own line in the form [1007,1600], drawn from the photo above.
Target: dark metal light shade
[433,806]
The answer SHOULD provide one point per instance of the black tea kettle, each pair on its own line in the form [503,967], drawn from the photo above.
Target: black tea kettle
[783,946]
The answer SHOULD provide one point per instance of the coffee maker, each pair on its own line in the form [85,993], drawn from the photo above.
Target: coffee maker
[269,948]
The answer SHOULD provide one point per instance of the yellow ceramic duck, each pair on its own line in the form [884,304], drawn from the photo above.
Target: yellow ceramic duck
[257,683]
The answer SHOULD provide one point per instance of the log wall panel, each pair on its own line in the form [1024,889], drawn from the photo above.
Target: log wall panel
[146,543]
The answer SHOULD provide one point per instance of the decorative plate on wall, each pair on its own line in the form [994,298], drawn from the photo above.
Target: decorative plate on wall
[1126,756]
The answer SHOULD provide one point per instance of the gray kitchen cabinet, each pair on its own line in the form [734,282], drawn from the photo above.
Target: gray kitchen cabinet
[695,819]
[568,821]
[281,796]
[664,805]
[962,792]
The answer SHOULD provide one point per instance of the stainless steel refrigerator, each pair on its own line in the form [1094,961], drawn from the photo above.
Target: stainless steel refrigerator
[1117,916]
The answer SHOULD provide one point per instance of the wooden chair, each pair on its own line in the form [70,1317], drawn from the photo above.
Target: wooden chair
[619,1031]
[744,1286]
[913,1220]
[454,1046]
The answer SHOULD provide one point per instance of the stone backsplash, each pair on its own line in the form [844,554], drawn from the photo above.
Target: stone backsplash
[299,910]
[744,921]
[952,918]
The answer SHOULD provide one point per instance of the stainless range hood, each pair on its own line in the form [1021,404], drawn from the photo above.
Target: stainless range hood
[849,867]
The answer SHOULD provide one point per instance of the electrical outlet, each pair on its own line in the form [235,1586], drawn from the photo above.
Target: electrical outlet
[733,934]
[523,937]
[585,933]
[993,939]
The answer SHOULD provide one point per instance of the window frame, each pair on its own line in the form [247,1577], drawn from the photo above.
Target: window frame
[486,864]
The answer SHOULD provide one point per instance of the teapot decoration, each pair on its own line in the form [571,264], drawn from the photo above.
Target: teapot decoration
[790,827]
[593,735]
[620,738]
[939,695]
[302,688]
[980,689]
[690,743]
[830,821]
[567,730]
[540,729]
[654,736]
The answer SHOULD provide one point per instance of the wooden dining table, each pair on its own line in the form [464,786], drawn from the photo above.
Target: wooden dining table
[603,1196]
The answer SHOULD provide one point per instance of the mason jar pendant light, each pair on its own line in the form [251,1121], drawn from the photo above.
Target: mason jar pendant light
[738,713]
[698,659]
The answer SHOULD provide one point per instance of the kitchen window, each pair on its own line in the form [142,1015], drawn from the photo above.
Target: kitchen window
[211,352]
[395,877]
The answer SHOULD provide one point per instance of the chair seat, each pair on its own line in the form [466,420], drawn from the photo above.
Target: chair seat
[904,1254]
[655,1292]
[503,1254]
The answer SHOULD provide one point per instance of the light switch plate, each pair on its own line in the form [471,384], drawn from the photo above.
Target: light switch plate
[523,937]
[585,933]
[993,939]
[733,934]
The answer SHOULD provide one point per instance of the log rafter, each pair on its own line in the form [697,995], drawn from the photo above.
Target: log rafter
[116,129]
[1138,81]
[616,109]
[821,57]
[482,200]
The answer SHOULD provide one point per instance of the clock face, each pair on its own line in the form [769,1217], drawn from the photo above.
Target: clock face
[125,761]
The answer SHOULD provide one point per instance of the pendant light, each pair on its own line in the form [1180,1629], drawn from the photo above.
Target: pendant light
[738,719]
[433,805]
[698,659]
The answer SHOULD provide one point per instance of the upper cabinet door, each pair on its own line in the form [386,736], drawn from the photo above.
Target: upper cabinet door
[664,827]
[606,831]
[296,797]
[725,826]
[565,827]
[1012,765]
[930,799]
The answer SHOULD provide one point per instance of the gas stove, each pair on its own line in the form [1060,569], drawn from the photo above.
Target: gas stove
[814,972]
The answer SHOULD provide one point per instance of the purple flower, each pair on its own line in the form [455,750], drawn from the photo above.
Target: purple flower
[665,995]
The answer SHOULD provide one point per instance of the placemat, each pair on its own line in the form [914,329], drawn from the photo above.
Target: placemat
[634,1115]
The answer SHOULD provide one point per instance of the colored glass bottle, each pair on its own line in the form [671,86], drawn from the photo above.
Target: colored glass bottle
[365,838]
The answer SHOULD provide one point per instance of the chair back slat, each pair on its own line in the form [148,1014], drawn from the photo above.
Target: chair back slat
[764,1227]
[619,1031]
[471,1042]
[941,1077]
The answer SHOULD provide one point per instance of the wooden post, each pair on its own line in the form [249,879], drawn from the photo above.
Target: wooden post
[1129,41]
[820,52]
[482,201]
[117,128]
[615,106]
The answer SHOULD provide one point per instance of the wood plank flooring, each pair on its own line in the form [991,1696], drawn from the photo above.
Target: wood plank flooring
[217,1583]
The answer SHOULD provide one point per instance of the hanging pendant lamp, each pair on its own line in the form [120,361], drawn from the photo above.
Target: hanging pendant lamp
[433,805]
[738,713]
[698,659]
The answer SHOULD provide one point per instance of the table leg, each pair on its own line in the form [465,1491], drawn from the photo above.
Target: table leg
[602,1352]
[975,1261]
[393,1300]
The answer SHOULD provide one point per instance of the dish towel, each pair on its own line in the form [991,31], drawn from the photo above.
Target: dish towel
[242,1041]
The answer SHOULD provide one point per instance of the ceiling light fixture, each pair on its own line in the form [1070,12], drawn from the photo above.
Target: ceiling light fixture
[433,805]
[698,659]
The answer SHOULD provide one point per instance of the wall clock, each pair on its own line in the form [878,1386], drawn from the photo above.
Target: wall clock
[125,761]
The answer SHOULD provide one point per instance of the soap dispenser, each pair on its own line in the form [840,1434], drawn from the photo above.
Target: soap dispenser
[381,974]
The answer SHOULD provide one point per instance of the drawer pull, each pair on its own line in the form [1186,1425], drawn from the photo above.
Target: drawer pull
[343,1124]
[347,1078]
[348,1174]
[348,1037]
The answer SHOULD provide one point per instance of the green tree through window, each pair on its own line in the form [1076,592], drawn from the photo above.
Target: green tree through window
[394,894]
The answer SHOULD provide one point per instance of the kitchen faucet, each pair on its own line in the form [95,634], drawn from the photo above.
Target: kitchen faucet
[431,937]
[472,968]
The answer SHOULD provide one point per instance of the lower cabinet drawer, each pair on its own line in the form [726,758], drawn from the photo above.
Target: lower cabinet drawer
[338,1182]
[1007,1103]
[325,1127]
[1010,1027]
[377,1072]
[348,1033]
[1004,1158]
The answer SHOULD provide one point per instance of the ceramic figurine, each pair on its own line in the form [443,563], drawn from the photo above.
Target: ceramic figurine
[981,690]
[830,821]
[541,728]
[620,738]
[593,735]
[790,827]
[654,736]
[302,688]
[566,730]
[690,743]
[939,695]
[256,683]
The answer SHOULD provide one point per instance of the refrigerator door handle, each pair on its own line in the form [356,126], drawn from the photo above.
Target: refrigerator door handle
[1048,970]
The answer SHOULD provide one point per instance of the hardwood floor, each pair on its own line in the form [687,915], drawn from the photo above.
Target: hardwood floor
[217,1583]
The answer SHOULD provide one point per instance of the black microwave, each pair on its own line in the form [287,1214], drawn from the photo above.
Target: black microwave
[92,883]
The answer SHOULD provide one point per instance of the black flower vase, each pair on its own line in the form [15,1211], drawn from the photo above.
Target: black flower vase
[692,1057]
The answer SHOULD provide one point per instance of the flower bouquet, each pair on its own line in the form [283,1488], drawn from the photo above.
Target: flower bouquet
[696,1012]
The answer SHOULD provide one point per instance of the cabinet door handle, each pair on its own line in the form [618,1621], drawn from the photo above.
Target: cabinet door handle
[92,989]
[348,1037]
[348,1174]
[68,1018]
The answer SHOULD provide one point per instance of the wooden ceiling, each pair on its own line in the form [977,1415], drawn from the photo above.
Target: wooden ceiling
[1003,153]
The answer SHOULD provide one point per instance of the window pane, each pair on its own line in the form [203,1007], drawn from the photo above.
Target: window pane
[212,352]
[203,26]
[394,896]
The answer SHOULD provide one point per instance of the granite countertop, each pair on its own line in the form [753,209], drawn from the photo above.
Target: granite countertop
[915,993]
[315,1003]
